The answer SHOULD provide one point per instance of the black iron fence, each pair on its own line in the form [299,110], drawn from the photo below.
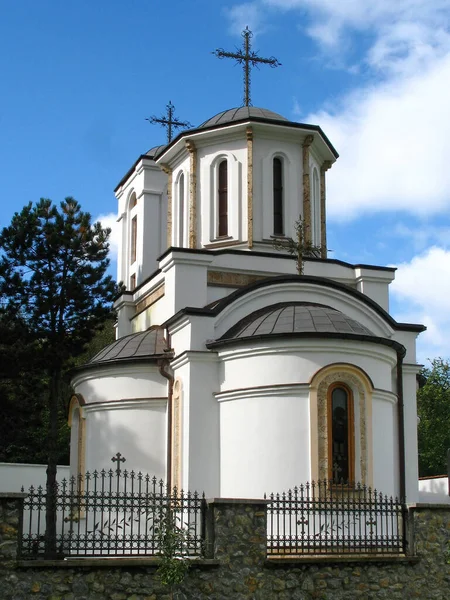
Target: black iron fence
[107,513]
[325,518]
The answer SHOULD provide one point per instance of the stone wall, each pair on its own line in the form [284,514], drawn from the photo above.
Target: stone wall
[238,568]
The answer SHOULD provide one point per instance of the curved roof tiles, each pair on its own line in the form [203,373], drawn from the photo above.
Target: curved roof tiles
[295,317]
[145,344]
[239,114]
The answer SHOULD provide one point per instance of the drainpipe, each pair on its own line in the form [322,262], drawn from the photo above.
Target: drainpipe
[163,365]
[407,532]
[401,424]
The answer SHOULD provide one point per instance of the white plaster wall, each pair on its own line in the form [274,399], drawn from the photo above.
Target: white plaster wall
[265,443]
[410,418]
[264,151]
[14,476]
[385,441]
[208,157]
[204,435]
[177,236]
[434,490]
[136,429]
[296,361]
[106,384]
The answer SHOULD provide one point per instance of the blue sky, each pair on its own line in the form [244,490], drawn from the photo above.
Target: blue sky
[78,80]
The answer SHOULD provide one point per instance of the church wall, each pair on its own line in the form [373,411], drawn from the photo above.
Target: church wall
[410,416]
[106,384]
[270,368]
[180,206]
[265,440]
[298,360]
[290,153]
[197,445]
[135,428]
[209,157]
[385,443]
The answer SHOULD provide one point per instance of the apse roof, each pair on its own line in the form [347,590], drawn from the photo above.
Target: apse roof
[295,317]
[241,113]
[144,344]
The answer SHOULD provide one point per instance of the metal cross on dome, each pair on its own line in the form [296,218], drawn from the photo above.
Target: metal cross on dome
[169,121]
[248,58]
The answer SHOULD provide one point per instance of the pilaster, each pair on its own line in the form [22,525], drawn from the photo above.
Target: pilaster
[168,172]
[307,188]
[192,194]
[323,202]
[249,132]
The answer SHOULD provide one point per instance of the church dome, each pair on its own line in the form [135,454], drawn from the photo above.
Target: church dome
[142,345]
[155,150]
[294,318]
[242,113]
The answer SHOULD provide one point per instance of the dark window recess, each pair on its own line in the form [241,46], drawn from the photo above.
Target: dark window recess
[132,282]
[223,198]
[133,240]
[278,228]
[340,436]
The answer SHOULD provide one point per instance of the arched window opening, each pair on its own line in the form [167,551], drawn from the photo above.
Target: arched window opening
[316,210]
[340,435]
[133,200]
[180,209]
[133,240]
[223,199]
[278,225]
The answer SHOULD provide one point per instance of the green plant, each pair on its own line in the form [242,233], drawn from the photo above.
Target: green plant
[172,541]
[301,247]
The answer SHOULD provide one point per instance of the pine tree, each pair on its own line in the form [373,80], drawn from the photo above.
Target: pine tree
[53,283]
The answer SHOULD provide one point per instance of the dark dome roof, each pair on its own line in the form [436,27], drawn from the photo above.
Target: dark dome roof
[295,317]
[155,150]
[145,344]
[238,114]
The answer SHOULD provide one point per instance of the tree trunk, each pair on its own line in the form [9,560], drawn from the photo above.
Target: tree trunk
[51,486]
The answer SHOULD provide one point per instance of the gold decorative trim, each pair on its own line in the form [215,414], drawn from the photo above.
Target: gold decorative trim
[307,188]
[232,279]
[176,433]
[168,172]
[75,404]
[192,194]
[249,133]
[323,203]
[362,390]
[151,298]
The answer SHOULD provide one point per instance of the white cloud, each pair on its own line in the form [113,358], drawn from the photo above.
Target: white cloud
[330,18]
[242,15]
[110,220]
[394,140]
[421,291]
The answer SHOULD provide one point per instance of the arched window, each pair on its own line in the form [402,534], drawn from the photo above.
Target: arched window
[223,199]
[278,225]
[316,210]
[341,468]
[181,209]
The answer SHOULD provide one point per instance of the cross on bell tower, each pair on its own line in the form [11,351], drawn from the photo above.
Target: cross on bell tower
[248,58]
[169,121]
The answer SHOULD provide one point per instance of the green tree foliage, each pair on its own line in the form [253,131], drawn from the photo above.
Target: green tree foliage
[54,289]
[433,407]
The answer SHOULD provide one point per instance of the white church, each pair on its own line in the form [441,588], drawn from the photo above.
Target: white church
[231,373]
